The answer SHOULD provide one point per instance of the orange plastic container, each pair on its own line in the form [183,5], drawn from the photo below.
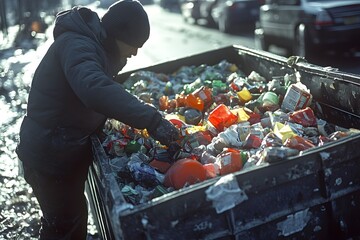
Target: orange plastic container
[195,102]
[205,94]
[222,117]
[184,172]
[230,161]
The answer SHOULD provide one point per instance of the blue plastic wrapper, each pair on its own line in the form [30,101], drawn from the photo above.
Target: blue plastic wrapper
[144,174]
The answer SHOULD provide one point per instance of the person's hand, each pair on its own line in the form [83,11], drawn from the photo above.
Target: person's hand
[165,132]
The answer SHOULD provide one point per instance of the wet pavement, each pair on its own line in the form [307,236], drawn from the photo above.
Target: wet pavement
[19,209]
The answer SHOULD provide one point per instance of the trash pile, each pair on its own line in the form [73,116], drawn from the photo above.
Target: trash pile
[228,121]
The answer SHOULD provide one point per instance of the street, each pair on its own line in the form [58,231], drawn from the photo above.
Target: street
[170,38]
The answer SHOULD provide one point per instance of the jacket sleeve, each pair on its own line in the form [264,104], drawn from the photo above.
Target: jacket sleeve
[83,65]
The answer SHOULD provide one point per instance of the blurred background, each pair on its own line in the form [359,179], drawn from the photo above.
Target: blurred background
[326,33]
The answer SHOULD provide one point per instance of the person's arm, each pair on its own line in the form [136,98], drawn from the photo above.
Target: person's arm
[86,75]
[84,70]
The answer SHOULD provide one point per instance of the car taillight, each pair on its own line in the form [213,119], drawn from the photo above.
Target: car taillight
[323,19]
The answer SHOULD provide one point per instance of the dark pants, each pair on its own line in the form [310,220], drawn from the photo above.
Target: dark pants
[62,202]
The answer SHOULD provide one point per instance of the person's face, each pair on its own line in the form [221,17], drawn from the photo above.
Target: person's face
[125,50]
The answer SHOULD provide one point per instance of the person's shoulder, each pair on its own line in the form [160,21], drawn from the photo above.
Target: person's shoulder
[76,46]
[73,39]
[73,36]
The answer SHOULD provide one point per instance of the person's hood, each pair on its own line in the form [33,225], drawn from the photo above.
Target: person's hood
[81,20]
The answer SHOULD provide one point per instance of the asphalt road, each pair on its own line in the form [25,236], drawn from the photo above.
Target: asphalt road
[171,38]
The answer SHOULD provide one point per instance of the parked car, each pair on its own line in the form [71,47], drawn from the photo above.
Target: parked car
[232,14]
[205,9]
[198,9]
[307,27]
[190,10]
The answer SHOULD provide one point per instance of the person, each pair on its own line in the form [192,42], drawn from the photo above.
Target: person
[72,94]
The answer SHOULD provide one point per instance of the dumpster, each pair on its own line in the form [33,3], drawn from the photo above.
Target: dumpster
[314,195]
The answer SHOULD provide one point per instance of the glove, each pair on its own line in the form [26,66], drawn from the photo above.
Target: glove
[165,132]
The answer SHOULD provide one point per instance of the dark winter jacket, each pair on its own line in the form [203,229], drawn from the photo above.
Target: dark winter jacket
[72,94]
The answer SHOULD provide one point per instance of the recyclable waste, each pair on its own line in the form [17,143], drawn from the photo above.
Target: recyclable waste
[228,122]
[184,171]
